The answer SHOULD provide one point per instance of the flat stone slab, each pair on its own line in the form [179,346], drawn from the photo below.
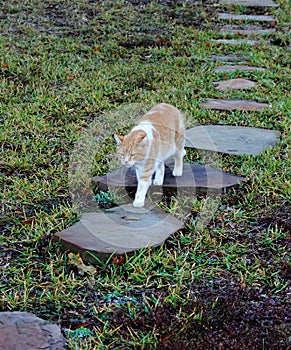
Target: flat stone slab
[196,177]
[237,42]
[119,230]
[246,29]
[235,17]
[229,58]
[235,140]
[230,105]
[25,331]
[249,3]
[234,84]
[232,68]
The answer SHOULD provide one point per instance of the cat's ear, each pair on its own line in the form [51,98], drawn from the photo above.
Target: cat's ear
[140,136]
[119,139]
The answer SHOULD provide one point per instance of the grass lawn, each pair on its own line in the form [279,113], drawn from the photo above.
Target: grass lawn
[68,65]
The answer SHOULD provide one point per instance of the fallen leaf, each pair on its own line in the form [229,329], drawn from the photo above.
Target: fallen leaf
[118,259]
[132,218]
[75,259]
[28,221]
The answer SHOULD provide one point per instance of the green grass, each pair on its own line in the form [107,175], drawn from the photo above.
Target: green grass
[74,71]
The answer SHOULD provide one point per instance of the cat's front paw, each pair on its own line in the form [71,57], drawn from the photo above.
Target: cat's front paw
[138,204]
[158,182]
[177,173]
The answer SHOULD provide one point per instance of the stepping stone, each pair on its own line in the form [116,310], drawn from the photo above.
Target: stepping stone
[25,331]
[231,105]
[237,42]
[229,58]
[235,17]
[119,230]
[246,29]
[249,3]
[235,140]
[196,178]
[234,84]
[219,69]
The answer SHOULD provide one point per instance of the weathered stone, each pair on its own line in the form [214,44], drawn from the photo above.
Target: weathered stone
[237,42]
[229,58]
[234,84]
[235,17]
[196,177]
[249,3]
[231,139]
[230,105]
[25,331]
[119,230]
[219,69]
[246,29]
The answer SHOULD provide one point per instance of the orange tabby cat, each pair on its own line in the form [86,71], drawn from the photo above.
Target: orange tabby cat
[157,136]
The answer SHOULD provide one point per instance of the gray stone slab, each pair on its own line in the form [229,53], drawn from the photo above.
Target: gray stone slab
[234,84]
[198,177]
[233,68]
[235,140]
[249,3]
[237,42]
[25,331]
[229,58]
[230,105]
[119,230]
[246,29]
[235,17]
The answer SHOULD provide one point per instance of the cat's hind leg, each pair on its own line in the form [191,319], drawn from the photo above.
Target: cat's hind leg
[178,166]
[159,175]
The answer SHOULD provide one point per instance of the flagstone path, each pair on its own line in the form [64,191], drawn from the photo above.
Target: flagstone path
[236,42]
[25,331]
[228,139]
[231,105]
[219,69]
[123,229]
[119,230]
[247,18]
[249,3]
[245,29]
[234,84]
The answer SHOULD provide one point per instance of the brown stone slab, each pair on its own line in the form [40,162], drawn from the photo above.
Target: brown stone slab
[254,18]
[234,84]
[230,105]
[237,42]
[119,230]
[25,331]
[219,69]
[195,176]
[249,3]
[228,139]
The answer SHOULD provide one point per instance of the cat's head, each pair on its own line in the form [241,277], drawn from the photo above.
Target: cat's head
[132,147]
